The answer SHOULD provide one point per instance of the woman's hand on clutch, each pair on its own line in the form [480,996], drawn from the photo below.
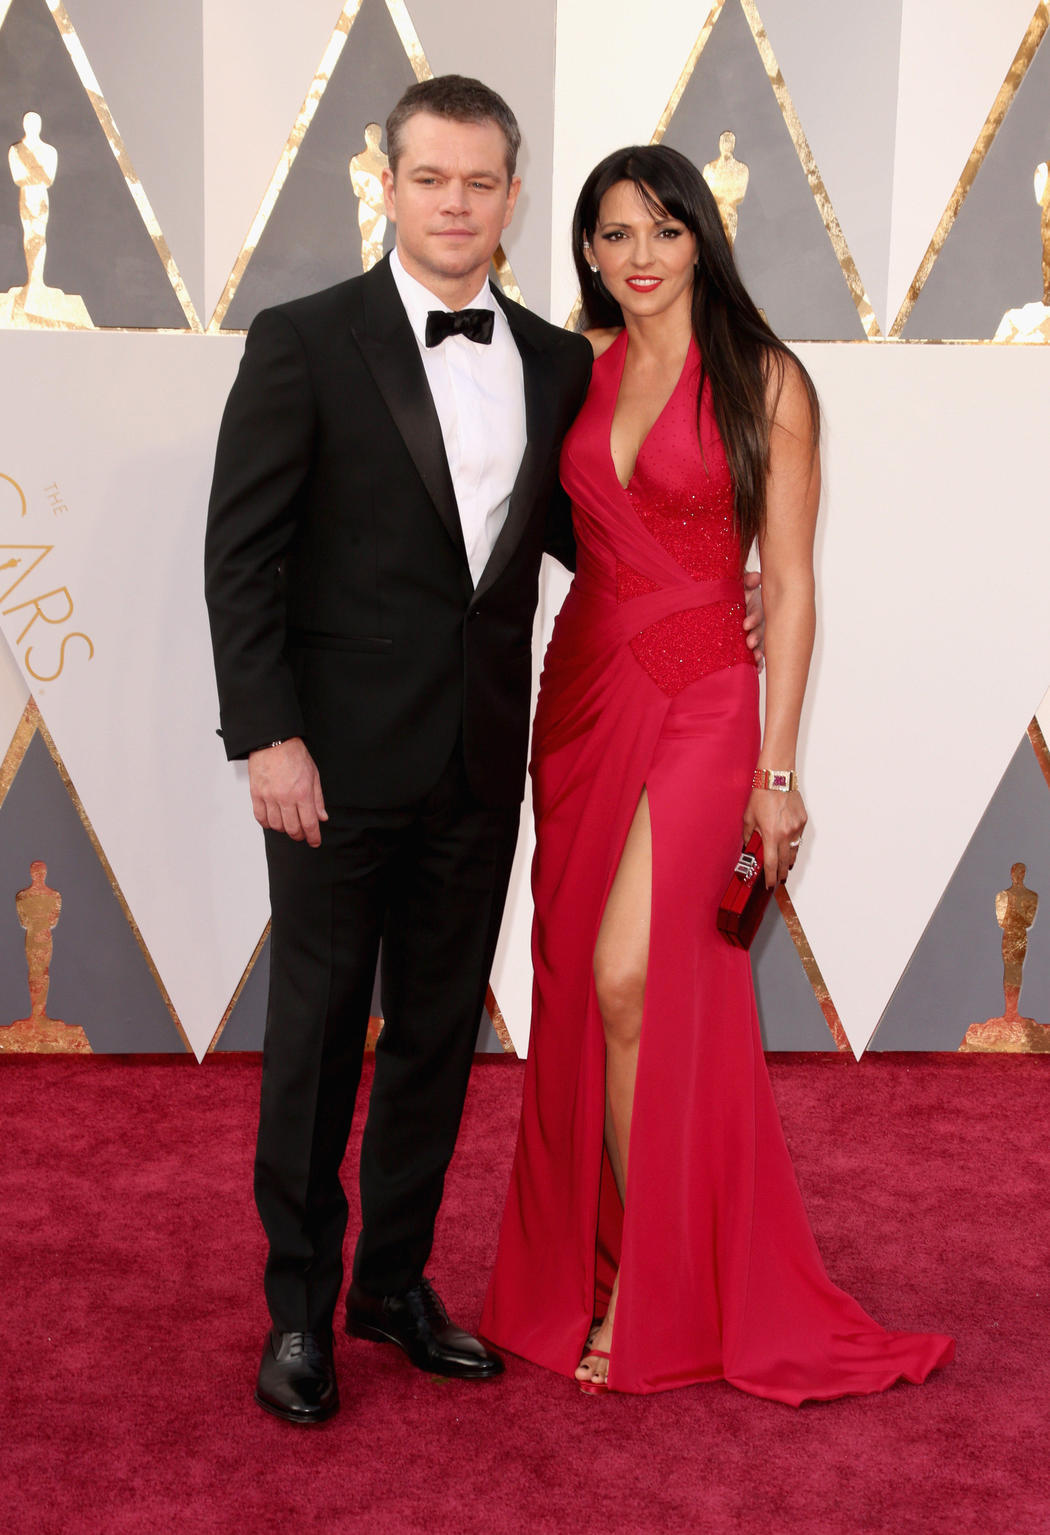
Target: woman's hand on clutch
[780,820]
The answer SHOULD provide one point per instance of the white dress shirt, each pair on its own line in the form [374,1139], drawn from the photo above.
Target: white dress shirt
[479,395]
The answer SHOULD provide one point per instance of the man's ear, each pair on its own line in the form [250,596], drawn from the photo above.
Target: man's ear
[512,197]
[389,194]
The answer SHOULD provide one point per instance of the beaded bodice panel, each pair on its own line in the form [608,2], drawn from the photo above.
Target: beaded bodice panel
[682,493]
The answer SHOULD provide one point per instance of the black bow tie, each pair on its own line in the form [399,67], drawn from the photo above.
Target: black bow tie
[475,324]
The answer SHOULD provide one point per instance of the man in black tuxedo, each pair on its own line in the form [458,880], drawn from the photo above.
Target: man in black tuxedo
[385,485]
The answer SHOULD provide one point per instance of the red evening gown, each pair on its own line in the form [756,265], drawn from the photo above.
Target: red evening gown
[648,683]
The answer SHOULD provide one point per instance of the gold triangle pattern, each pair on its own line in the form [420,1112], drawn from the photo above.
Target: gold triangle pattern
[793,123]
[249,967]
[25,730]
[1035,735]
[812,969]
[1034,35]
[499,1023]
[337,42]
[93,90]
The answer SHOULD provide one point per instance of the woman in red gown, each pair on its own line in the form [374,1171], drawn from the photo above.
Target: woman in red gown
[654,1235]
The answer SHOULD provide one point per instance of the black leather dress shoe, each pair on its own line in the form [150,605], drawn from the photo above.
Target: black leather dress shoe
[297,1377]
[418,1323]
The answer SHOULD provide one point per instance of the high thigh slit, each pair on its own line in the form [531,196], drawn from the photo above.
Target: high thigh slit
[616,1156]
[621,963]
[648,682]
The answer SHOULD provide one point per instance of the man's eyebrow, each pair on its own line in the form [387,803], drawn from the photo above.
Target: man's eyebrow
[437,170]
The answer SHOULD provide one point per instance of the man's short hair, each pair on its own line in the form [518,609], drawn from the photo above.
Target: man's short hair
[459,98]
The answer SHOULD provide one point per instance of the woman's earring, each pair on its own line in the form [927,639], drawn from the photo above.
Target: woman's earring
[593,266]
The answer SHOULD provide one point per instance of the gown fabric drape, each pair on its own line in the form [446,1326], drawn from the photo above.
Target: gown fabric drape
[647,683]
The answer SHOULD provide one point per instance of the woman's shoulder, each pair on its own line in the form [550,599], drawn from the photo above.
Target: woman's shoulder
[791,397]
[602,339]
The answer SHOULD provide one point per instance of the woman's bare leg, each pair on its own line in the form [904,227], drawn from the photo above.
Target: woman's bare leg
[621,963]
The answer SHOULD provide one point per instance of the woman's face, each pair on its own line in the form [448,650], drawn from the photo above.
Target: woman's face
[646,261]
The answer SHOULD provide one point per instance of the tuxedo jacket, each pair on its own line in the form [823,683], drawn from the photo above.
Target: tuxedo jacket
[341,604]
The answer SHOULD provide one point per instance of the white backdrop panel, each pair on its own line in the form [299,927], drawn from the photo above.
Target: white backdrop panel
[126,425]
[13,696]
[13,691]
[512,967]
[933,649]
[921,685]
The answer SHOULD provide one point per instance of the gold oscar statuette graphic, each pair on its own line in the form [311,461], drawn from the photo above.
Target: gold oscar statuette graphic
[1031,322]
[39,908]
[33,165]
[366,178]
[728,178]
[1015,911]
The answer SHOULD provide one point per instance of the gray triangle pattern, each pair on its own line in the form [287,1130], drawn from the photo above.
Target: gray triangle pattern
[311,239]
[788,1012]
[247,1023]
[782,247]
[99,976]
[955,976]
[97,244]
[969,289]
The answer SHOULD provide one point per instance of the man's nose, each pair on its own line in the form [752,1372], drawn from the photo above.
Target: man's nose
[455,199]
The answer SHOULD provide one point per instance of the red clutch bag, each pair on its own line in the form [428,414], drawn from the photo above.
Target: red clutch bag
[744,903]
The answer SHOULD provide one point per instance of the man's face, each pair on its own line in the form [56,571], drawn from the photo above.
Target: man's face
[451,201]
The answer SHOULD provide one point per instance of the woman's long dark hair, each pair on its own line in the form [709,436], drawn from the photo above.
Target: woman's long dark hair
[739,353]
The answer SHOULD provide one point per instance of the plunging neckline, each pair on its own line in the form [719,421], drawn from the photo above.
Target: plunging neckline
[616,400]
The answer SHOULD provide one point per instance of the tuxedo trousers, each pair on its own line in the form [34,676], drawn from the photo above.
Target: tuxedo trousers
[424,886]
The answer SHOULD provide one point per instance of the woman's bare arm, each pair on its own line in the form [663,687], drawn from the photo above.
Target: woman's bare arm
[786,553]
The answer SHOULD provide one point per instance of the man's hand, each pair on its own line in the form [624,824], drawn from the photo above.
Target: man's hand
[755,616]
[286,790]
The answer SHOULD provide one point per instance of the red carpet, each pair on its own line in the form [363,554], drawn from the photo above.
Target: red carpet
[129,1283]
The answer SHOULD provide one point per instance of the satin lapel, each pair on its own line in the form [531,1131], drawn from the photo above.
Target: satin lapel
[539,443]
[381,329]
